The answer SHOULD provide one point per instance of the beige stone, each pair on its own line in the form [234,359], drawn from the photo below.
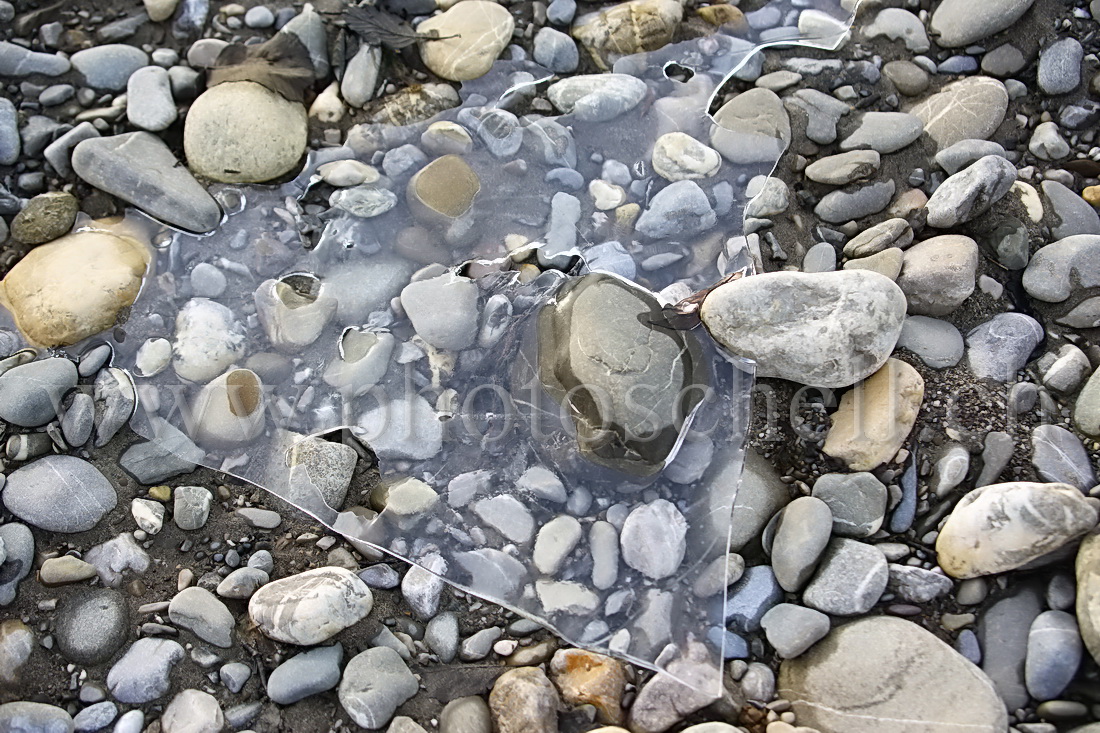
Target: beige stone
[1001,527]
[65,569]
[471,36]
[242,132]
[887,262]
[628,28]
[523,700]
[159,10]
[876,416]
[587,678]
[74,287]
[1087,569]
[442,190]
[16,644]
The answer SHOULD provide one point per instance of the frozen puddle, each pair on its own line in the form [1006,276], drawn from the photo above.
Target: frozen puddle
[551,435]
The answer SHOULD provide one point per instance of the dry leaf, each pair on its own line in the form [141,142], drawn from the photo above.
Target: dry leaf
[281,64]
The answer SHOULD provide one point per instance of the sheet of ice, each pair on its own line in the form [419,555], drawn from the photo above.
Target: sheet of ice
[552,437]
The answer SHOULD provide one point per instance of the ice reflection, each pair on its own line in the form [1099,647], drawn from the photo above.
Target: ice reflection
[487,311]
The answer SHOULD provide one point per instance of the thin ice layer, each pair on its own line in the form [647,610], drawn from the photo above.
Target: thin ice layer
[550,438]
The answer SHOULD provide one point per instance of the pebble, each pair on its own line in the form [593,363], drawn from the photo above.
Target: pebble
[556,51]
[971,192]
[802,531]
[836,310]
[1058,455]
[200,612]
[443,310]
[681,208]
[1002,634]
[680,157]
[310,607]
[306,674]
[59,493]
[142,674]
[10,143]
[191,507]
[109,66]
[627,28]
[969,109]
[375,683]
[523,700]
[31,394]
[873,420]
[1001,346]
[654,539]
[1075,215]
[597,97]
[838,170]
[938,274]
[242,132]
[753,127]
[938,343]
[472,34]
[897,24]
[64,570]
[234,676]
[116,556]
[441,636]
[751,597]
[838,207]
[242,583]
[917,585]
[45,217]
[1047,142]
[16,60]
[850,579]
[192,711]
[1053,654]
[884,132]
[1058,268]
[792,629]
[34,717]
[1060,66]
[466,715]
[95,717]
[259,17]
[172,454]
[965,153]
[848,683]
[149,102]
[587,678]
[91,626]
[666,699]
[857,502]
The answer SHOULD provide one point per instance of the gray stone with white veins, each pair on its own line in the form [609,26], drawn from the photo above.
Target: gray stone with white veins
[141,170]
[1054,652]
[1060,66]
[199,611]
[917,585]
[142,674]
[850,579]
[1001,346]
[374,684]
[59,493]
[654,539]
[857,502]
[971,192]
[969,109]
[191,507]
[30,394]
[597,97]
[824,329]
[115,400]
[1059,455]
[305,674]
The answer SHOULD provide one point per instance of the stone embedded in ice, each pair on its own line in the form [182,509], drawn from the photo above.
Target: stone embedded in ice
[507,515]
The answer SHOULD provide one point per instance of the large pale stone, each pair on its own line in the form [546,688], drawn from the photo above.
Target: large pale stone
[471,36]
[827,329]
[242,132]
[753,127]
[886,669]
[963,22]
[74,287]
[968,109]
[875,417]
[1001,527]
[310,607]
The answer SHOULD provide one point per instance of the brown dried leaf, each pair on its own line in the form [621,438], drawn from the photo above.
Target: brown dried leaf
[281,64]
[379,28]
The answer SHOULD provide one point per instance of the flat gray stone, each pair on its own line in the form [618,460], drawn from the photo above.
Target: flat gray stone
[15,60]
[1074,215]
[849,682]
[59,493]
[140,169]
[938,274]
[200,612]
[825,329]
[850,579]
[1054,653]
[1060,267]
[375,682]
[750,598]
[753,127]
[305,674]
[1002,633]
[142,674]
[857,502]
[110,66]
[884,132]
[960,23]
[18,561]
[971,192]
[34,717]
[969,109]
[792,629]
[149,102]
[1060,66]
[838,207]
[30,394]
[1058,455]
[802,531]
[938,343]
